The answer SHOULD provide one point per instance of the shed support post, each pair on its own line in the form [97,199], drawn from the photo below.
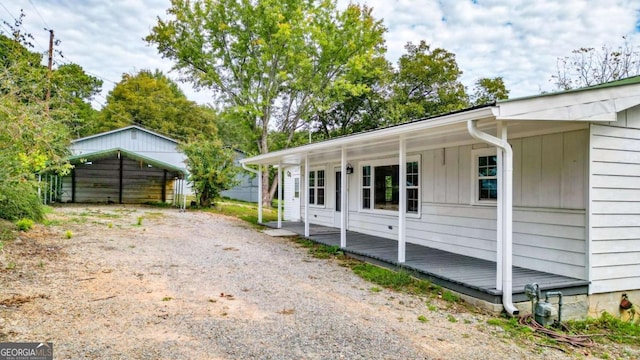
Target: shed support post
[184,192]
[305,181]
[259,194]
[121,175]
[402,203]
[164,186]
[343,199]
[73,185]
[279,195]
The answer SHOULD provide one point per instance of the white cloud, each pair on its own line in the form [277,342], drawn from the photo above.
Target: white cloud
[519,40]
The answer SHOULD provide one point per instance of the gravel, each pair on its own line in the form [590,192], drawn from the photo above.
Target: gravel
[197,285]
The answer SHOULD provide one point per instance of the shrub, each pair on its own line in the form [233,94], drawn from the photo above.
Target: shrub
[20,200]
[24,224]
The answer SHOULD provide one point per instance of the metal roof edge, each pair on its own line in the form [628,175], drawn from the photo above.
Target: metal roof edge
[129,154]
[400,129]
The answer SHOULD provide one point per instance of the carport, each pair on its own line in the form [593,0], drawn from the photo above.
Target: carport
[123,177]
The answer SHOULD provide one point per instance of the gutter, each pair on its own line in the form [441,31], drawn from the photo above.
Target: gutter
[505,211]
[259,175]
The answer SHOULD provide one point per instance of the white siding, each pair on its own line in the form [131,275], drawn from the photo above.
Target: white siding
[615,207]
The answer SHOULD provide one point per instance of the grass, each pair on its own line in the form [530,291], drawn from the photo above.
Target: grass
[422,319]
[24,224]
[400,281]
[245,211]
[609,327]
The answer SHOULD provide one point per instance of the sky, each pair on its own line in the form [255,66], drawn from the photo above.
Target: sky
[518,40]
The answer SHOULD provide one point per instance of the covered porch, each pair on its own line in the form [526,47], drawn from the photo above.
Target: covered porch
[466,275]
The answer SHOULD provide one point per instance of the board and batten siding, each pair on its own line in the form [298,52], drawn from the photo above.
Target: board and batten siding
[615,204]
[549,229]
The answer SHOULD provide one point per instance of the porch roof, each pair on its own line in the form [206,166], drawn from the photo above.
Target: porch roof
[103,154]
[597,103]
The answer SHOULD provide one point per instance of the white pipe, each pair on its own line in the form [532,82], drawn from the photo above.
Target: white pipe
[343,198]
[505,197]
[279,195]
[306,195]
[259,175]
[402,211]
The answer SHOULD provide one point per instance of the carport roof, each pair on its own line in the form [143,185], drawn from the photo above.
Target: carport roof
[98,155]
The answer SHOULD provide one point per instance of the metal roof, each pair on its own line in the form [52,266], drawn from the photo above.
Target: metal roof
[125,129]
[103,154]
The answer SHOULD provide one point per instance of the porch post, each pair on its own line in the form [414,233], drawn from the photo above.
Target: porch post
[305,181]
[279,195]
[259,194]
[343,199]
[402,201]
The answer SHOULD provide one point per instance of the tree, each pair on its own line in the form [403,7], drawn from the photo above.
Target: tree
[211,168]
[426,84]
[271,62]
[152,100]
[488,90]
[590,66]
[31,141]
[72,89]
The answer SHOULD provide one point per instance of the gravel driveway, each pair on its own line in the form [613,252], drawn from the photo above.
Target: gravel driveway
[201,286]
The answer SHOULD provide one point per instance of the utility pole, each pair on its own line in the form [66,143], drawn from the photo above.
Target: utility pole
[49,73]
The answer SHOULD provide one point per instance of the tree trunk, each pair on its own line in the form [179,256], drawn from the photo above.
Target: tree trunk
[266,194]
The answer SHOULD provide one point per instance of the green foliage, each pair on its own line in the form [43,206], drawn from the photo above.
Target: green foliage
[271,63]
[452,318]
[24,224]
[68,234]
[427,83]
[152,100]
[19,200]
[488,90]
[609,326]
[448,296]
[139,221]
[244,211]
[422,319]
[211,168]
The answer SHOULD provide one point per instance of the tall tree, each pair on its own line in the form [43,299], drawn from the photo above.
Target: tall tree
[427,83]
[31,141]
[152,100]
[270,61]
[590,66]
[488,90]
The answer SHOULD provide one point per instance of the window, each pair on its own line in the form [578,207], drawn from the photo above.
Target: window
[316,187]
[486,175]
[381,186]
[366,187]
[296,187]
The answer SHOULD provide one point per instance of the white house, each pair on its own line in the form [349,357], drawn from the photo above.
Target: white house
[548,183]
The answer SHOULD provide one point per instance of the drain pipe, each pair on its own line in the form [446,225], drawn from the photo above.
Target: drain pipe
[259,175]
[505,196]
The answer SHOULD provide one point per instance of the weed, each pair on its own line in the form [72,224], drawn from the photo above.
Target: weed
[11,265]
[396,280]
[68,234]
[432,307]
[375,289]
[422,319]
[139,222]
[132,246]
[167,298]
[613,328]
[452,318]
[467,321]
[110,225]
[512,328]
[448,296]
[41,264]
[24,224]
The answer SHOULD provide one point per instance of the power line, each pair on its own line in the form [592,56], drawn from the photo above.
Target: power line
[38,12]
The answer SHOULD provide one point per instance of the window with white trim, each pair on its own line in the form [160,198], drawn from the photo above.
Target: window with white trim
[316,187]
[485,170]
[381,186]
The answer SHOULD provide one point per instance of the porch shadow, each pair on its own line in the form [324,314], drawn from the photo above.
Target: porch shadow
[460,273]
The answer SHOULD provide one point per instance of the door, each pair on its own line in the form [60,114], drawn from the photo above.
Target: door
[292,194]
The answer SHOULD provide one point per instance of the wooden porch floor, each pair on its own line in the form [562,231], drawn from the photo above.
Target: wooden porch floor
[464,274]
